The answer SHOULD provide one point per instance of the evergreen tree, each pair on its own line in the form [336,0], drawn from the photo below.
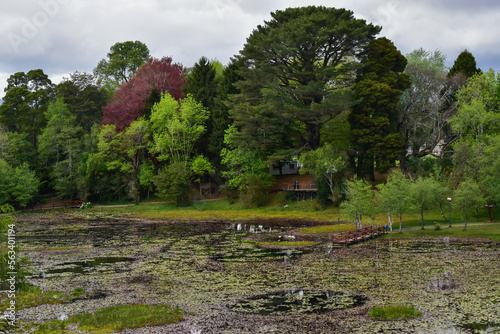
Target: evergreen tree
[202,86]
[27,97]
[59,148]
[292,66]
[375,139]
[465,64]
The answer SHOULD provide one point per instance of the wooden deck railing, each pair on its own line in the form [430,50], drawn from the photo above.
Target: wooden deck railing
[350,237]
[300,187]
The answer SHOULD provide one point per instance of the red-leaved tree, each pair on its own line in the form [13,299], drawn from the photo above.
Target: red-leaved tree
[128,103]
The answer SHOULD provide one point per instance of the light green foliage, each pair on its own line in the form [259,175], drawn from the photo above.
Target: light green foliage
[18,185]
[327,163]
[468,197]
[124,151]
[247,170]
[5,220]
[359,199]
[489,172]
[61,133]
[147,175]
[16,149]
[176,126]
[478,106]
[423,193]
[392,197]
[201,165]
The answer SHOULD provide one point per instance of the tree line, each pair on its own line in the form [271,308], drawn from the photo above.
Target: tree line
[312,84]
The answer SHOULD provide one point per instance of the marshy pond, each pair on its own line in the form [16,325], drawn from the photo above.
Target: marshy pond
[226,281]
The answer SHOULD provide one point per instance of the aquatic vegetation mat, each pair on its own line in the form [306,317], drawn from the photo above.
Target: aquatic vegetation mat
[297,301]
[225,281]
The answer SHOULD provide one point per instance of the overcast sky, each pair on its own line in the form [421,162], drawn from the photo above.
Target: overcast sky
[63,36]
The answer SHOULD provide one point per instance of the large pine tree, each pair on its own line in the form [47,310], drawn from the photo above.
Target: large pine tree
[292,68]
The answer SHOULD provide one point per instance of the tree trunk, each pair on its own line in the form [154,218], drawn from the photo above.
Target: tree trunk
[313,135]
[465,226]
[400,223]
[442,213]
[422,217]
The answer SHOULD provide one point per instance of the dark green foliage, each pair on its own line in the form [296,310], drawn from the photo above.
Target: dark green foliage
[201,83]
[84,99]
[26,99]
[290,67]
[220,113]
[19,150]
[373,119]
[465,64]
[173,184]
[124,59]
[202,86]
[324,192]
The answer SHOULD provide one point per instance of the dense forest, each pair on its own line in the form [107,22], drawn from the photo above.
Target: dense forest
[313,85]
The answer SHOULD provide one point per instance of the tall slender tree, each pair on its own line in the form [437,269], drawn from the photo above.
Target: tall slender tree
[202,86]
[375,138]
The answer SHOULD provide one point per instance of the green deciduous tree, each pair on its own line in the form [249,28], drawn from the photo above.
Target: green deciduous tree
[124,59]
[292,66]
[125,151]
[359,200]
[85,99]
[488,173]
[478,106]
[376,141]
[247,170]
[328,165]
[18,185]
[423,193]
[16,149]
[176,126]
[468,197]
[393,196]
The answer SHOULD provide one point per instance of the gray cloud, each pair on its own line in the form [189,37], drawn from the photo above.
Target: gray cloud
[61,36]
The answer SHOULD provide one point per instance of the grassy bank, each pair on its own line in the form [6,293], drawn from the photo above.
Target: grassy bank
[310,210]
